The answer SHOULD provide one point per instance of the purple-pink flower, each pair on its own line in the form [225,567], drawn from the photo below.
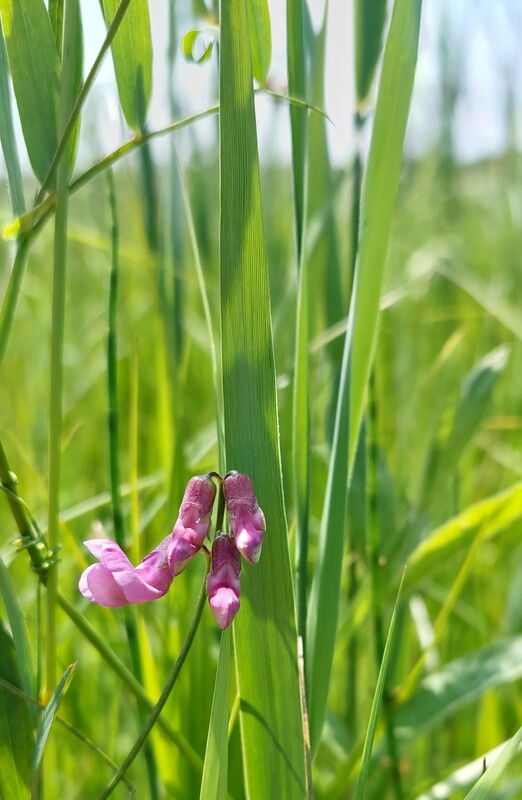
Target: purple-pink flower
[247,521]
[115,582]
[223,586]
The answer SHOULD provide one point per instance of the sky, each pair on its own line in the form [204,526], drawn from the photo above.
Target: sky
[480,35]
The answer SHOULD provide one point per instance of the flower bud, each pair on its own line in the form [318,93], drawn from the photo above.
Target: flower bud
[223,580]
[193,523]
[247,521]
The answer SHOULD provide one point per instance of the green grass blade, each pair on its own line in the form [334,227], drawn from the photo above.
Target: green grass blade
[46,724]
[132,57]
[8,139]
[296,64]
[376,704]
[378,200]
[264,630]
[369,18]
[214,783]
[488,517]
[16,735]
[18,630]
[35,71]
[441,694]
[484,786]
[260,38]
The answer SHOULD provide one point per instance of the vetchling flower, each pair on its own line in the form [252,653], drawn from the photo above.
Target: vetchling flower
[223,580]
[247,521]
[115,582]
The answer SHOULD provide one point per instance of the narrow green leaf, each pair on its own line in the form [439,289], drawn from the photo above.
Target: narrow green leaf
[197,46]
[260,38]
[8,138]
[264,630]
[16,734]
[132,57]
[35,71]
[296,63]
[441,694]
[378,200]
[369,18]
[214,782]
[46,724]
[18,630]
[376,704]
[488,517]
[484,786]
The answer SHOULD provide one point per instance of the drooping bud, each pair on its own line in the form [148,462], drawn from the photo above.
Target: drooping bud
[247,521]
[223,580]
[193,523]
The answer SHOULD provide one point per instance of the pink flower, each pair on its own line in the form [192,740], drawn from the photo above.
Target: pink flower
[223,580]
[247,521]
[115,582]
[193,523]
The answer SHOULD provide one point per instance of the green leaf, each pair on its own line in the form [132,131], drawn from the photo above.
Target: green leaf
[132,57]
[16,734]
[264,630]
[380,185]
[35,71]
[48,718]
[376,704]
[214,783]
[488,517]
[18,630]
[197,46]
[369,19]
[484,786]
[296,63]
[8,138]
[441,694]
[260,38]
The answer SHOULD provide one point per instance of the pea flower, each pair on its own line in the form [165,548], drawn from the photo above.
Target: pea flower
[223,580]
[247,521]
[115,582]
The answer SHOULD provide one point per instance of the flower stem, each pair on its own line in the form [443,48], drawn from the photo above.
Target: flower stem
[165,694]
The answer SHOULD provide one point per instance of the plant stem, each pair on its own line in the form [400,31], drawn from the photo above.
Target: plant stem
[165,694]
[12,293]
[373,544]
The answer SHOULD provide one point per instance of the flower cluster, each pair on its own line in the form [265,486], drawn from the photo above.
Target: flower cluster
[114,582]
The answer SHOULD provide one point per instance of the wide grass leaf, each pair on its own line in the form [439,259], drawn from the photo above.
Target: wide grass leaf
[18,630]
[369,18]
[35,71]
[8,139]
[441,694]
[16,734]
[132,57]
[380,185]
[260,38]
[214,783]
[264,630]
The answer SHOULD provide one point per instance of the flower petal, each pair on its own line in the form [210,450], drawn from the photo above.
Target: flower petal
[101,587]
[224,605]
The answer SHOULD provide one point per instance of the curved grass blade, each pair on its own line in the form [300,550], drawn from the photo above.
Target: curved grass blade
[369,19]
[35,71]
[8,139]
[16,733]
[376,704]
[260,38]
[132,57]
[378,200]
[484,786]
[264,631]
[214,783]
[18,630]
[46,724]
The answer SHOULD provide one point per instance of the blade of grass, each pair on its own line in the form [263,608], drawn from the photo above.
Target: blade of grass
[215,768]
[35,71]
[264,631]
[378,199]
[260,38]
[296,65]
[485,785]
[132,56]
[46,724]
[369,19]
[8,138]
[376,704]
